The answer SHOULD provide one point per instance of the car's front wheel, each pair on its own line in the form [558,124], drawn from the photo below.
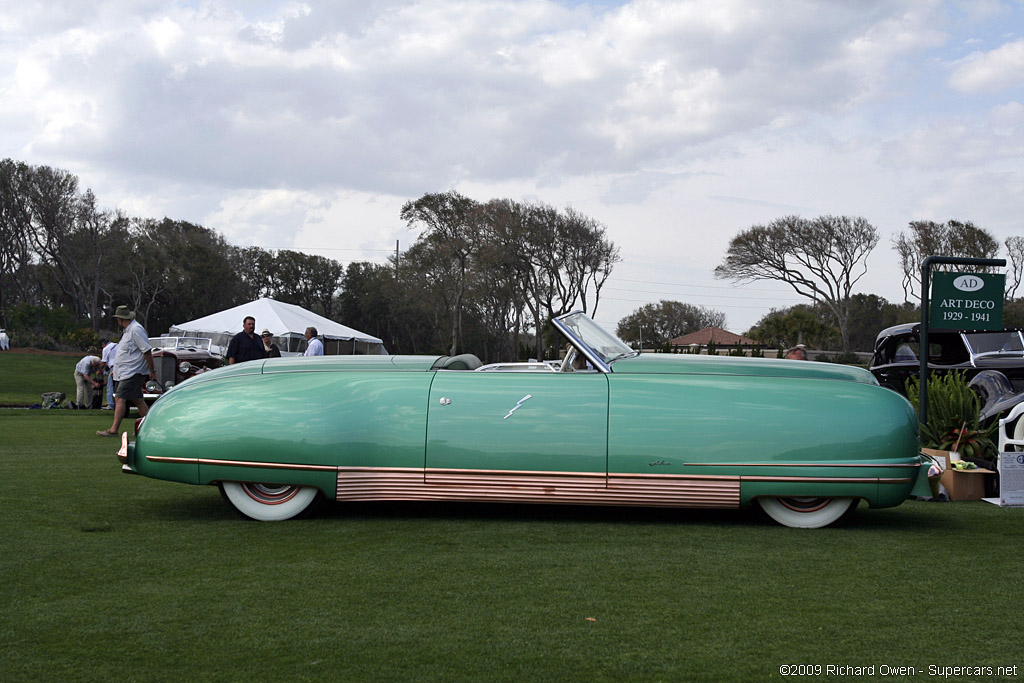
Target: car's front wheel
[270,502]
[808,512]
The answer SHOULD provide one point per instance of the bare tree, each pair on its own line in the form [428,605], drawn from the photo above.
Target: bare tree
[565,258]
[927,238]
[1015,252]
[505,266]
[821,259]
[589,258]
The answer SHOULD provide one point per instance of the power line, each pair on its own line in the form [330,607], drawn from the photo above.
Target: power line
[686,284]
[688,295]
[607,288]
[646,301]
[322,249]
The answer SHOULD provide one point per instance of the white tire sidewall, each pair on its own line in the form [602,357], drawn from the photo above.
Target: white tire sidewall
[265,512]
[830,513]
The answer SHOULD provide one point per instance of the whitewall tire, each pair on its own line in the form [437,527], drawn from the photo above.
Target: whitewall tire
[808,512]
[270,502]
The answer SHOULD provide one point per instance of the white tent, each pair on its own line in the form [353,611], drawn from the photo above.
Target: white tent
[287,322]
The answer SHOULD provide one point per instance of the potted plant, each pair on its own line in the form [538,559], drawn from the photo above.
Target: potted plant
[953,417]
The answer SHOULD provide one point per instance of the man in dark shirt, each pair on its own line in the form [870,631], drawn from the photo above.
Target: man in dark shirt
[246,345]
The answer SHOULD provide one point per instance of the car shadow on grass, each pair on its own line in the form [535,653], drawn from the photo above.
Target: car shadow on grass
[510,512]
[206,504]
[911,516]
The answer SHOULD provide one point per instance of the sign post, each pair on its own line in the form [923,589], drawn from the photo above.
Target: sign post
[964,301]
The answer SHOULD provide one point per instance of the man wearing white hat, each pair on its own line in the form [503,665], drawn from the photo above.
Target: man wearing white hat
[134,357]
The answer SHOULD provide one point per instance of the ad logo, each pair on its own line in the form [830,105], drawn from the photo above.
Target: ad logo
[968,283]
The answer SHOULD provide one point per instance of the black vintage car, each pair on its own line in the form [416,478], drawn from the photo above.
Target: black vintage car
[992,360]
[177,359]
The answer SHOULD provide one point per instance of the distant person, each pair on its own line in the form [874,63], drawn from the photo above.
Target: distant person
[107,358]
[798,352]
[134,357]
[314,346]
[5,341]
[97,389]
[85,382]
[269,346]
[905,354]
[245,345]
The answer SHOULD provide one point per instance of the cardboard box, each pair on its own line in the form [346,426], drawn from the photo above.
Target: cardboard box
[960,484]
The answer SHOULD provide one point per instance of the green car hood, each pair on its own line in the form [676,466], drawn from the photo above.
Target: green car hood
[319,364]
[691,364]
[328,363]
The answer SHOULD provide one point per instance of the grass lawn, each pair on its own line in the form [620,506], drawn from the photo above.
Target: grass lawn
[25,376]
[111,577]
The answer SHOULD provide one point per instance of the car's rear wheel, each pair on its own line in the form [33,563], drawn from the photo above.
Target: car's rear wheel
[270,502]
[808,512]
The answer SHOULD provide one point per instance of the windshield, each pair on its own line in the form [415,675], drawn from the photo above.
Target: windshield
[180,343]
[1007,341]
[603,344]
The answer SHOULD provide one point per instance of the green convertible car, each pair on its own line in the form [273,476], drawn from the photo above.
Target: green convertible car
[606,426]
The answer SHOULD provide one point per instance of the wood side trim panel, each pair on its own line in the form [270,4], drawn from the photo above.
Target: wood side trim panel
[537,487]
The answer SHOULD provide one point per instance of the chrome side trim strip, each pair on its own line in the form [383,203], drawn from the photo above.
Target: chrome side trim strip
[795,464]
[832,480]
[243,463]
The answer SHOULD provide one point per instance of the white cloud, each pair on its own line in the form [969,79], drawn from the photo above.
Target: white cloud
[438,79]
[164,33]
[286,123]
[991,71]
[985,139]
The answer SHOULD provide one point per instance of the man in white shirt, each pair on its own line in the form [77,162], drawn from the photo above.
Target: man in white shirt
[85,382]
[107,357]
[134,357]
[314,347]
[5,341]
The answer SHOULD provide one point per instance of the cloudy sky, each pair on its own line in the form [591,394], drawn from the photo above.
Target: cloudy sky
[306,124]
